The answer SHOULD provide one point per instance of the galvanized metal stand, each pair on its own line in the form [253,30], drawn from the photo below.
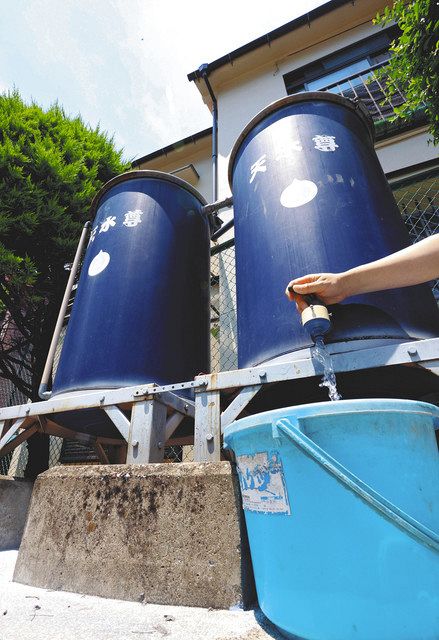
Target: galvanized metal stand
[155,414]
[156,411]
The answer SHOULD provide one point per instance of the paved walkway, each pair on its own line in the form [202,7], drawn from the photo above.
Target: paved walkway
[28,613]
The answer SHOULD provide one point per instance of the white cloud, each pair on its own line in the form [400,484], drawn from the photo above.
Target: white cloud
[166,40]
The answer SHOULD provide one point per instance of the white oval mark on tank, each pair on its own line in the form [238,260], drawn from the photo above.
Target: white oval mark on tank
[99,263]
[298,193]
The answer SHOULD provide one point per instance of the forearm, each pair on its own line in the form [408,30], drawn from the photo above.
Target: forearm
[410,266]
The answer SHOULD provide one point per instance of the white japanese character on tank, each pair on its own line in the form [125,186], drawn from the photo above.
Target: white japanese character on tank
[259,165]
[93,235]
[325,143]
[288,151]
[133,218]
[107,223]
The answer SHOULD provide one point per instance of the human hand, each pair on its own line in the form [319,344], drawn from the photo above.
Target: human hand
[301,304]
[329,287]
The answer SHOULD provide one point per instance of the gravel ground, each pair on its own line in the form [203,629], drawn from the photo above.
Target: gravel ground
[29,613]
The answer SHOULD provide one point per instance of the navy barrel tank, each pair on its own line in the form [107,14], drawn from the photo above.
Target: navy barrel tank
[141,309]
[310,196]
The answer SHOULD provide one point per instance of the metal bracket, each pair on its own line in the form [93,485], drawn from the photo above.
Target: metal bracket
[185,407]
[207,437]
[119,420]
[172,423]
[238,405]
[216,206]
[21,437]
[146,438]
[18,424]
[152,389]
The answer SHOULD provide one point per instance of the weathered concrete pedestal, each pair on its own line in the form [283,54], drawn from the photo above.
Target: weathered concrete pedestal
[159,533]
[15,494]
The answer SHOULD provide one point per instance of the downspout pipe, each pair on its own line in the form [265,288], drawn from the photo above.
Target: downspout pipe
[42,391]
[203,72]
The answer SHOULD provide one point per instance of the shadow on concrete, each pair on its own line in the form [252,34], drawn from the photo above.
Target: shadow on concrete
[268,626]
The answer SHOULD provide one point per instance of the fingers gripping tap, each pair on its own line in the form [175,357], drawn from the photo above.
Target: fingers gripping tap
[314,314]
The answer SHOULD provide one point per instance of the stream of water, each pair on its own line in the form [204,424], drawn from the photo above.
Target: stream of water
[321,354]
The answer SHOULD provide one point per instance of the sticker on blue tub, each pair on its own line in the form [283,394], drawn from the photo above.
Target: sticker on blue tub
[298,193]
[99,263]
[262,482]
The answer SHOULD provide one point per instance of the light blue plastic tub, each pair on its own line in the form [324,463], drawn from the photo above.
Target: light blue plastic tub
[341,501]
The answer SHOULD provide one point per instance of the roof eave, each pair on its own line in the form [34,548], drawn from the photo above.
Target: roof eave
[192,139]
[268,38]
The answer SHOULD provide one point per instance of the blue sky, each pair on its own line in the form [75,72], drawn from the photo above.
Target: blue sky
[123,63]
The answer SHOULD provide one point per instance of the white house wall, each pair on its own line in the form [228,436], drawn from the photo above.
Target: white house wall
[203,166]
[405,151]
[198,154]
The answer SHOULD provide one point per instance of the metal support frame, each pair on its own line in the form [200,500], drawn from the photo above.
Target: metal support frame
[207,437]
[9,431]
[210,422]
[146,440]
[156,411]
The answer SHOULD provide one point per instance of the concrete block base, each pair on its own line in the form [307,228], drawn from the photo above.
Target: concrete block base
[160,533]
[15,495]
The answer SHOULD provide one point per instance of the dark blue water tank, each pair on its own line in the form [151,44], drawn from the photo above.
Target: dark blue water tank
[310,196]
[141,311]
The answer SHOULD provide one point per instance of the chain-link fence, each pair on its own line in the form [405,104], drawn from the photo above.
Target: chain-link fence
[418,200]
[223,308]
[15,461]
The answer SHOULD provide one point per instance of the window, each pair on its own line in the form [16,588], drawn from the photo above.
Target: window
[351,72]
